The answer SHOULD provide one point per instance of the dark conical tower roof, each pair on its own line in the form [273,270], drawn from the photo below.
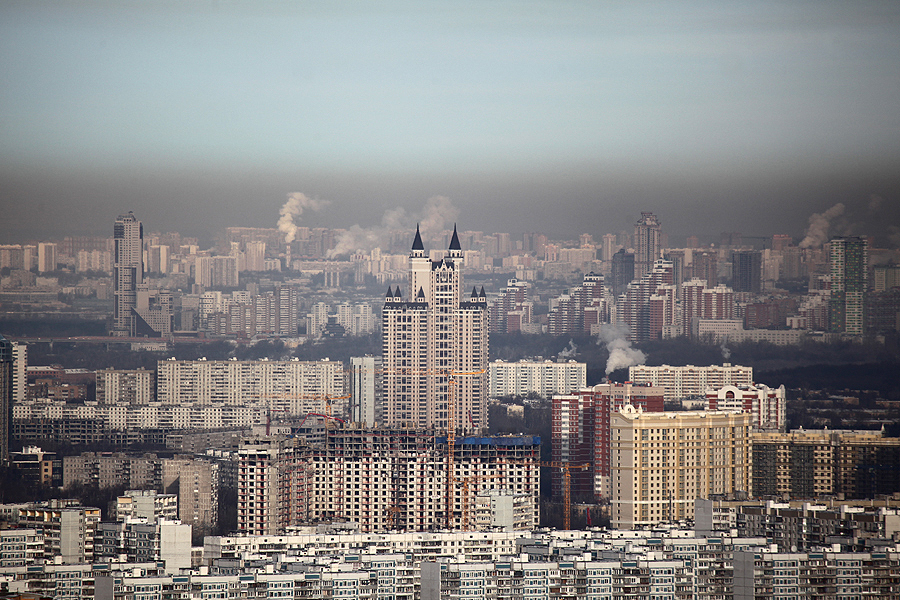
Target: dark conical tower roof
[482,294]
[474,292]
[390,293]
[417,242]
[397,292]
[454,241]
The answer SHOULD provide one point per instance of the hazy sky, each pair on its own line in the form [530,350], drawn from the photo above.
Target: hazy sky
[563,117]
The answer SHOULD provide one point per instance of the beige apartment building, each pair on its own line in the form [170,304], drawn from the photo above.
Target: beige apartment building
[662,461]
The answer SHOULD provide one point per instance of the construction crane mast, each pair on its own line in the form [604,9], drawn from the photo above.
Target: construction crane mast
[567,487]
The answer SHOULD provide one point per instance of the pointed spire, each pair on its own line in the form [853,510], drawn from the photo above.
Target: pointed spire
[454,241]
[421,294]
[482,294]
[397,293]
[390,293]
[474,292]
[417,242]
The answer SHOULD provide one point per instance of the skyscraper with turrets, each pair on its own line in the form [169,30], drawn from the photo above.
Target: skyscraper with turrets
[435,346]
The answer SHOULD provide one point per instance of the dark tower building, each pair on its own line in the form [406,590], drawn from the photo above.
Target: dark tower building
[622,271]
[6,397]
[746,271]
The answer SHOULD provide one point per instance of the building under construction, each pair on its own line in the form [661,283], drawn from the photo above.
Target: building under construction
[388,479]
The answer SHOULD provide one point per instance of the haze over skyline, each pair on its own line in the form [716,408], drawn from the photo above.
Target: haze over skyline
[564,118]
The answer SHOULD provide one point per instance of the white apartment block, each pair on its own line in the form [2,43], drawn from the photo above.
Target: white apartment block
[68,531]
[690,381]
[154,415]
[295,387]
[356,319]
[765,404]
[126,386]
[365,390]
[146,504]
[531,376]
[662,462]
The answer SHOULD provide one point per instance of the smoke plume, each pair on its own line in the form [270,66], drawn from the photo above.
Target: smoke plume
[291,211]
[723,347]
[621,354]
[819,224]
[438,214]
[569,351]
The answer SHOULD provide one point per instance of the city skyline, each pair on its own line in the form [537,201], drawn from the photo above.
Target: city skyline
[568,119]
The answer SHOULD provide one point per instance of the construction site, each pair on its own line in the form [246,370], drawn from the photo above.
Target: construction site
[388,480]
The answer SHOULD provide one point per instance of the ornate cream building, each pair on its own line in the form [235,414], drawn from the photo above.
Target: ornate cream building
[662,461]
[435,346]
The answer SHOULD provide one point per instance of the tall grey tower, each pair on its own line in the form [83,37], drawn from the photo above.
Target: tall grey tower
[431,337]
[646,243]
[128,272]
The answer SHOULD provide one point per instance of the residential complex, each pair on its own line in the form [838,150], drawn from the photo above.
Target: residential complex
[581,433]
[817,463]
[293,386]
[542,377]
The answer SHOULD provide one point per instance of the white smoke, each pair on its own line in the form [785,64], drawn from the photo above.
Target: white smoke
[819,224]
[621,354]
[569,351]
[726,351]
[292,209]
[437,215]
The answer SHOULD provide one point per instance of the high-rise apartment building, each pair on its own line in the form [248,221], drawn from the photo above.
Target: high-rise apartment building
[746,271]
[435,346]
[646,243]
[661,462]
[196,483]
[47,257]
[126,386]
[128,272]
[622,271]
[767,405]
[6,397]
[648,308]
[365,390]
[849,279]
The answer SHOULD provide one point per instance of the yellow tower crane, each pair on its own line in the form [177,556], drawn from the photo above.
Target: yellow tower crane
[567,487]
